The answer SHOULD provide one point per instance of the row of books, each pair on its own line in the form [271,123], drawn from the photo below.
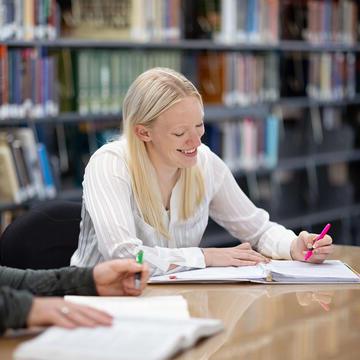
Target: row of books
[139,20]
[246,144]
[104,77]
[29,19]
[27,83]
[25,171]
[143,20]
[156,20]
[249,21]
[332,76]
[250,78]
[96,81]
[245,78]
[34,84]
[229,78]
[332,21]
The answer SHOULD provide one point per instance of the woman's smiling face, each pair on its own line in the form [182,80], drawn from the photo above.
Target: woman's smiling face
[174,137]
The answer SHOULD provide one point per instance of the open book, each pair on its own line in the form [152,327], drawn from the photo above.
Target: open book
[276,271]
[140,331]
[129,339]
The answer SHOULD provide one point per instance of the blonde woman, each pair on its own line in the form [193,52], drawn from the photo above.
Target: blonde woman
[155,188]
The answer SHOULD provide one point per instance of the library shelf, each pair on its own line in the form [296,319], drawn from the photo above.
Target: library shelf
[321,216]
[302,162]
[62,118]
[68,195]
[212,112]
[304,101]
[319,159]
[208,45]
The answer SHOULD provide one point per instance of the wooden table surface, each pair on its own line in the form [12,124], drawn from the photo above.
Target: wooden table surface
[269,321]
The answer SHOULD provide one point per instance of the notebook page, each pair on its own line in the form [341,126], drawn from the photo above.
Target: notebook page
[130,339]
[215,274]
[329,270]
[163,307]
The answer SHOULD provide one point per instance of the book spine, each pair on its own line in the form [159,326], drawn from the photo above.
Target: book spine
[4,84]
[49,185]
[9,184]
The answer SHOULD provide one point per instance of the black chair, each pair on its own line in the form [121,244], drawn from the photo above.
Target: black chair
[43,238]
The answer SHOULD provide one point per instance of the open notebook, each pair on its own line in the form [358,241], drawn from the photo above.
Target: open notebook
[277,271]
[144,328]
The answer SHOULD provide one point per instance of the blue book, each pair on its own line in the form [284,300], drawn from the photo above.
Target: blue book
[251,24]
[49,185]
[272,141]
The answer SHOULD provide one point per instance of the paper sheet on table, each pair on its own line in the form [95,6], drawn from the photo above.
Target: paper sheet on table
[159,307]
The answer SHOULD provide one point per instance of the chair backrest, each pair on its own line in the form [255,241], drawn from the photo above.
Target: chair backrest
[43,238]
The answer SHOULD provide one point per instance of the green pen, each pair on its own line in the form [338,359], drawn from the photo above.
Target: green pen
[139,260]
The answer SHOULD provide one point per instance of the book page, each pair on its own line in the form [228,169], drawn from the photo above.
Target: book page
[329,270]
[159,307]
[129,339]
[229,273]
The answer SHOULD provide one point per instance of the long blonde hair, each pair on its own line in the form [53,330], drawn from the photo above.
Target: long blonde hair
[152,93]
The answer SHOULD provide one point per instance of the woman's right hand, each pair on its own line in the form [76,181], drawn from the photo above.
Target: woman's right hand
[241,255]
[56,311]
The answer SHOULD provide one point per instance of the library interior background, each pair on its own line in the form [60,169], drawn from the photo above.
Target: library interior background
[280,82]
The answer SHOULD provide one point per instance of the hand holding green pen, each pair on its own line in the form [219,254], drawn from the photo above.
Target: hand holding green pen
[139,260]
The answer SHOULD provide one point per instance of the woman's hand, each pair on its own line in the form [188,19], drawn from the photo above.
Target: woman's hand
[241,255]
[305,241]
[56,311]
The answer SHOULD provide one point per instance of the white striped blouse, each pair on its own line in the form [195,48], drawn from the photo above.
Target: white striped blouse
[112,227]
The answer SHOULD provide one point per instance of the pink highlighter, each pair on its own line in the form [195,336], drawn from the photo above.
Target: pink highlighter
[319,237]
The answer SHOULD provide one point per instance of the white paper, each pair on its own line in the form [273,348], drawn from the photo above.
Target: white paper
[329,270]
[158,307]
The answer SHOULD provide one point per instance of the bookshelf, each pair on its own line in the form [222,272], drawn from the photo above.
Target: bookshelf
[212,112]
[192,43]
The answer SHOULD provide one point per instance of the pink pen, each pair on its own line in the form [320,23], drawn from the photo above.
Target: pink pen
[319,237]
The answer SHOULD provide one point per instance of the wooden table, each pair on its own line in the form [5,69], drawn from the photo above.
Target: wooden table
[270,321]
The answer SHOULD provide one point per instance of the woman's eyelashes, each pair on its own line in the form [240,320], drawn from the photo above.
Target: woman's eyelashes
[182,133]
[178,135]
